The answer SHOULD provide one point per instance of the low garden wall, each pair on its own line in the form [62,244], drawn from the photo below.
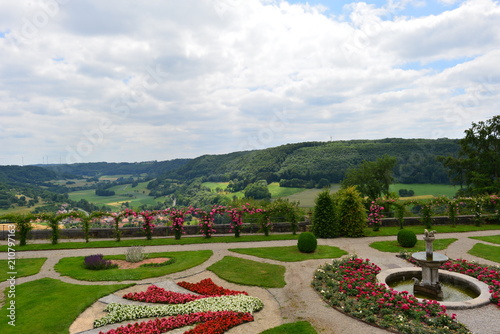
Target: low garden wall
[159,231]
[128,232]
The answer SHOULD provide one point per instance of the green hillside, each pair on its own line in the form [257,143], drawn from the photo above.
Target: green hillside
[313,161]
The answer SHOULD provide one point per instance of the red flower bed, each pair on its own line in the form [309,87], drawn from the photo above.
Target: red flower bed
[486,274]
[208,323]
[155,294]
[208,288]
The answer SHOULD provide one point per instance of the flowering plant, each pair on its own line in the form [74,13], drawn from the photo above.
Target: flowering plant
[208,323]
[375,216]
[208,288]
[349,285]
[207,220]
[122,312]
[178,216]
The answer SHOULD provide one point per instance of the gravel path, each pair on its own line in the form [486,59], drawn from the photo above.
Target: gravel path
[297,300]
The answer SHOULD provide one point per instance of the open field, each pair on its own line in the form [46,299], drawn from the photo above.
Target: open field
[123,193]
[435,190]
[274,188]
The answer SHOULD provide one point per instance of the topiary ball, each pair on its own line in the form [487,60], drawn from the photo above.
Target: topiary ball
[307,242]
[407,238]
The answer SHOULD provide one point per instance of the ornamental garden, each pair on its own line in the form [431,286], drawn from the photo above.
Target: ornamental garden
[346,284]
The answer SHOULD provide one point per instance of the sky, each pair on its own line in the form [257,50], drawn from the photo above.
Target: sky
[127,81]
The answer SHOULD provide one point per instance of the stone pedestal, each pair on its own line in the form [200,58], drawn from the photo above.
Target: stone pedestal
[429,285]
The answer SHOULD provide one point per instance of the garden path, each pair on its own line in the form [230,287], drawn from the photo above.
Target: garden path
[297,300]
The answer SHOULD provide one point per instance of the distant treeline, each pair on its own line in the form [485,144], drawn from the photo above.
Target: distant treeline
[313,162]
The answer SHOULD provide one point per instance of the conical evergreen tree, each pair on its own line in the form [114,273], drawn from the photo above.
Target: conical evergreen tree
[323,223]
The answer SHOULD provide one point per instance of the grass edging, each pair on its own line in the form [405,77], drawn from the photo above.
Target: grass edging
[248,272]
[73,267]
[22,267]
[392,246]
[158,241]
[48,305]
[484,251]
[291,253]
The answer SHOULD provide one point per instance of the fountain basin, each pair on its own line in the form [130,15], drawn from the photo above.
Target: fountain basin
[467,282]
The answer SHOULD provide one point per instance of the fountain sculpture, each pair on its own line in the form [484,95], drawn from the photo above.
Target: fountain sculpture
[430,262]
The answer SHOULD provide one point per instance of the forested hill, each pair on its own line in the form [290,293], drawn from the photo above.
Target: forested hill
[93,169]
[14,175]
[312,161]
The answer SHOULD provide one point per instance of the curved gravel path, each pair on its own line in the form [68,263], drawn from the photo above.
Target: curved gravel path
[297,300]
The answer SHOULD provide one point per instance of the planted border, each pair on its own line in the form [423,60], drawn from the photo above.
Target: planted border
[349,285]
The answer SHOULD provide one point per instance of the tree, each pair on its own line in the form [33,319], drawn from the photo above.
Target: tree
[478,163]
[372,178]
[324,224]
[351,212]
[257,190]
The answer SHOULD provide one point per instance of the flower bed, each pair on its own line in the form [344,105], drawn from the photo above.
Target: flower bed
[208,323]
[350,286]
[217,310]
[487,274]
[208,288]
[205,288]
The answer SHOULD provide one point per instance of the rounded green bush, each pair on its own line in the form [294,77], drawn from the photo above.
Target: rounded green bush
[407,238]
[307,242]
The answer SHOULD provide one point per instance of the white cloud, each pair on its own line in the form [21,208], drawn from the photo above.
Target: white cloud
[133,81]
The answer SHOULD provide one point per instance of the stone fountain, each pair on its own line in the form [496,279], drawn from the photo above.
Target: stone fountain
[429,287]
[430,262]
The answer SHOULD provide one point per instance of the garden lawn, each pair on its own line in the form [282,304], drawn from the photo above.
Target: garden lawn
[419,229]
[487,252]
[48,306]
[291,253]
[300,327]
[22,267]
[156,241]
[394,247]
[494,239]
[247,272]
[73,267]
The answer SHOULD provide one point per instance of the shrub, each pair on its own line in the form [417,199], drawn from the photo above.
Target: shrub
[407,238]
[97,262]
[307,242]
[324,224]
[135,254]
[351,212]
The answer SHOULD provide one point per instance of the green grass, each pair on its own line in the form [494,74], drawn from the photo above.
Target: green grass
[426,189]
[299,327]
[159,241]
[306,197]
[494,239]
[22,267]
[291,253]
[419,229]
[73,267]
[277,191]
[394,247]
[123,193]
[247,272]
[488,252]
[48,306]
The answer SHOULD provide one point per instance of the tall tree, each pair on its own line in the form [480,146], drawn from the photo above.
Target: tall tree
[324,224]
[478,163]
[372,178]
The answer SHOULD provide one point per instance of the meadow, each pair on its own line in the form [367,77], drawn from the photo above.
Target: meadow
[136,196]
